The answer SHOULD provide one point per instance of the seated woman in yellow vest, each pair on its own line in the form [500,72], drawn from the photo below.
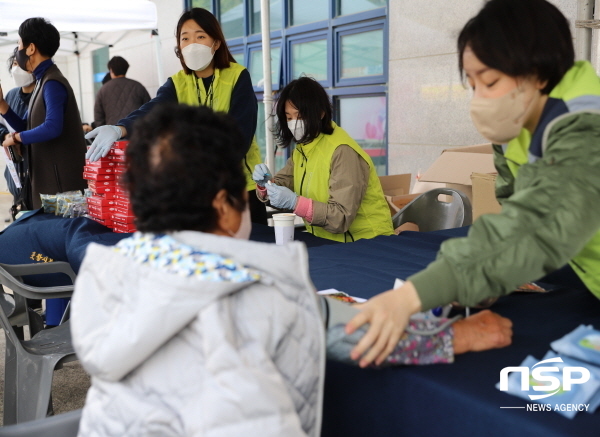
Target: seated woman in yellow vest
[335,188]
[210,77]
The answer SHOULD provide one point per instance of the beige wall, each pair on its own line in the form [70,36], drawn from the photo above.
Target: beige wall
[428,105]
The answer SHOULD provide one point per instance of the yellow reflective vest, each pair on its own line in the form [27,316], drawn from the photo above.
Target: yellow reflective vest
[222,87]
[312,163]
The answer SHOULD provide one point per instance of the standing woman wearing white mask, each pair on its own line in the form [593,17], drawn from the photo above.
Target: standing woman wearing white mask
[329,180]
[18,99]
[541,111]
[210,77]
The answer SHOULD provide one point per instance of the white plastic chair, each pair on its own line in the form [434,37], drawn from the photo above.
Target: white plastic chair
[30,364]
[61,425]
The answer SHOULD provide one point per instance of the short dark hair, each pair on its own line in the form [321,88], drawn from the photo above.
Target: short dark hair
[118,65]
[178,159]
[42,33]
[211,26]
[314,106]
[520,38]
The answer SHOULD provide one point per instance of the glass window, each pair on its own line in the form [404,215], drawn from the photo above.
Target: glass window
[307,11]
[206,4]
[280,154]
[362,54]
[99,61]
[239,58]
[256,66]
[364,118]
[276,16]
[346,7]
[310,59]
[232,18]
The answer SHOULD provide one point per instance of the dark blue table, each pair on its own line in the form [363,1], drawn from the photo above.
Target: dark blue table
[442,400]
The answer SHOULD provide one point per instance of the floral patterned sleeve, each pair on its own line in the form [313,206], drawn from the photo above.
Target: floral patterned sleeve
[414,348]
[424,349]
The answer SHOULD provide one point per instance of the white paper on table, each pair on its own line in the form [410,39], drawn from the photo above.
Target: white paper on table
[11,168]
[334,291]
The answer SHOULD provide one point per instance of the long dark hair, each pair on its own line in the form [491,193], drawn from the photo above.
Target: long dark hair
[314,107]
[520,38]
[211,26]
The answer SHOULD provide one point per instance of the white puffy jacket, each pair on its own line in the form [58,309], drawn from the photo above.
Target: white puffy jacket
[174,356]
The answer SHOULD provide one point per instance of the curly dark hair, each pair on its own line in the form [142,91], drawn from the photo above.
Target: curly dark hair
[178,158]
[310,98]
[520,38]
[42,33]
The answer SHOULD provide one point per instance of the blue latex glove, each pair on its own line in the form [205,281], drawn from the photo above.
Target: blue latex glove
[104,136]
[261,174]
[281,197]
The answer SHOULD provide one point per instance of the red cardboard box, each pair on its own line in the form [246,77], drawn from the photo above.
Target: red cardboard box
[99,170]
[106,222]
[124,228]
[102,213]
[116,152]
[101,202]
[102,189]
[116,158]
[98,177]
[120,144]
[123,218]
[102,162]
[122,197]
[97,184]
[124,210]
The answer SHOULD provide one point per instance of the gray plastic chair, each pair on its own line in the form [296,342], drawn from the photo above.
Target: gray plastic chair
[30,364]
[61,425]
[432,214]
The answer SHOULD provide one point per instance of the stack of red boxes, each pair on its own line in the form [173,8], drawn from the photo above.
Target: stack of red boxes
[109,203]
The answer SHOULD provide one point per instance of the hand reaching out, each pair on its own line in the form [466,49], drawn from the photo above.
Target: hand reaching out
[387,314]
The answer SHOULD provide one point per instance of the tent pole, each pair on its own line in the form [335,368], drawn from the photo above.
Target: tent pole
[79,75]
[265,19]
[159,60]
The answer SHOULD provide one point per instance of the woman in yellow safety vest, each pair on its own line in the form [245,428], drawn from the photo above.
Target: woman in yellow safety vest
[329,180]
[210,77]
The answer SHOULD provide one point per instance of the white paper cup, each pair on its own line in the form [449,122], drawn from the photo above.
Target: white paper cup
[284,227]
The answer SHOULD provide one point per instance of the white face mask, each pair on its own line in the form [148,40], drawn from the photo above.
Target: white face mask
[297,129]
[21,77]
[243,232]
[501,119]
[197,56]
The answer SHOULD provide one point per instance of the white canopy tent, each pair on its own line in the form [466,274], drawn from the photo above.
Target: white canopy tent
[82,24]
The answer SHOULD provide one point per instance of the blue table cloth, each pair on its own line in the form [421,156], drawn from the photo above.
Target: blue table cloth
[459,399]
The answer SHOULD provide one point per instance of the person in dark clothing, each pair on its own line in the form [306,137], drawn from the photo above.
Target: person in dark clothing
[118,97]
[52,126]
[18,99]
[211,77]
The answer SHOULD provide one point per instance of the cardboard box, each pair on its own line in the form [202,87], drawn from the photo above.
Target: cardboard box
[454,167]
[396,189]
[484,194]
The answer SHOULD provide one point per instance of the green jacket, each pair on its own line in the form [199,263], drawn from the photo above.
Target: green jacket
[187,87]
[549,186]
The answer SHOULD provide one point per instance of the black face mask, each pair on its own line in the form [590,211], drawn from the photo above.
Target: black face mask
[22,58]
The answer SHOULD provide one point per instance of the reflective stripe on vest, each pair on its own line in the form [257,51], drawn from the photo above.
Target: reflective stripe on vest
[222,87]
